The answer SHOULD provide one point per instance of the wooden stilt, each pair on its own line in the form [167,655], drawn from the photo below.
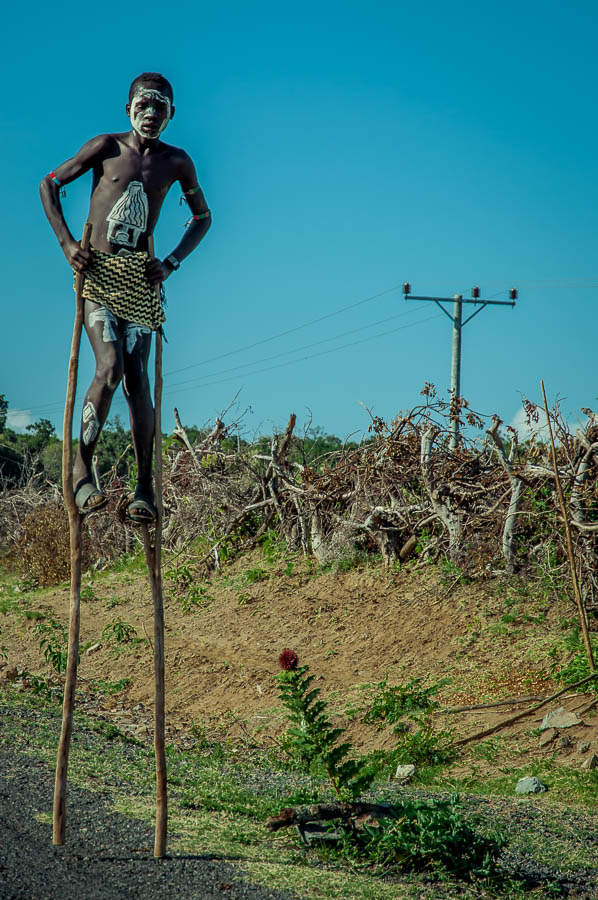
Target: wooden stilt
[153,556]
[59,816]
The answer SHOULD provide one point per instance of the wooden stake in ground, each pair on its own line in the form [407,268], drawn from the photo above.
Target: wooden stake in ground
[583,616]
[59,817]
[153,556]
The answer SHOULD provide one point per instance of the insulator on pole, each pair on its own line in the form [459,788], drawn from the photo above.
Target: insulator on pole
[406,288]
[475,292]
[513,293]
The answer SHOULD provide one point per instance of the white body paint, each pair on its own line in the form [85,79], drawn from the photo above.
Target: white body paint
[141,118]
[101,314]
[127,219]
[132,334]
[89,423]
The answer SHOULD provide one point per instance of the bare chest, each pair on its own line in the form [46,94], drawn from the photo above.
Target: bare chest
[154,175]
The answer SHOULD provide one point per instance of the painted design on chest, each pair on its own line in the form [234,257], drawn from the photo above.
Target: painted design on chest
[127,219]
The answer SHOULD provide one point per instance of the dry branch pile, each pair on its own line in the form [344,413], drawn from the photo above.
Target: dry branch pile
[489,505]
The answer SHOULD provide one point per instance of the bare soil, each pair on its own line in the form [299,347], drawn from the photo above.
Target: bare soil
[352,629]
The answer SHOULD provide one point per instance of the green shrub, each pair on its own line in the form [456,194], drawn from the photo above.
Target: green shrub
[54,643]
[426,836]
[417,740]
[118,632]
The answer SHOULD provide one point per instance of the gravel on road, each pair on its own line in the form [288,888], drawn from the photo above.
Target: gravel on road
[106,855]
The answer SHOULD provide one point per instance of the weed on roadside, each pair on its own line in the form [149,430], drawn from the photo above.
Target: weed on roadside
[186,591]
[54,643]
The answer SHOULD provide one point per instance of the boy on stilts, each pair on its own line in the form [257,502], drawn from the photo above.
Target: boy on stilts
[132,173]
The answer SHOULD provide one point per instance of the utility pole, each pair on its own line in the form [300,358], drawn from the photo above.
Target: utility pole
[458,325]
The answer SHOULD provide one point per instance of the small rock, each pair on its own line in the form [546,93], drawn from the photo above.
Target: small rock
[560,718]
[548,736]
[583,746]
[93,648]
[530,785]
[403,773]
[591,762]
[563,742]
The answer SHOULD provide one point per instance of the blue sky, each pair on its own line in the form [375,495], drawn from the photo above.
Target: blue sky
[344,148]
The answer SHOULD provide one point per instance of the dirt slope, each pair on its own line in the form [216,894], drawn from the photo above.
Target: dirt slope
[351,628]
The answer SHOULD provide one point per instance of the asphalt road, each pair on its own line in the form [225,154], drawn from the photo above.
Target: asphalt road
[106,855]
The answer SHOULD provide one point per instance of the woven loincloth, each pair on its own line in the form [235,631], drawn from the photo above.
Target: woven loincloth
[119,283]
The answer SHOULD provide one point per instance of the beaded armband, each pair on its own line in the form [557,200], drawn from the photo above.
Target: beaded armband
[196,218]
[58,184]
[188,193]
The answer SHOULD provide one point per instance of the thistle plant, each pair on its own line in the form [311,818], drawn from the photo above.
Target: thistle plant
[312,737]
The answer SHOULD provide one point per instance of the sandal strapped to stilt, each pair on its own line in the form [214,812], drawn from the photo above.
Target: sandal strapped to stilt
[88,498]
[141,510]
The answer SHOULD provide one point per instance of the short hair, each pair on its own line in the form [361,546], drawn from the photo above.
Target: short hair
[153,79]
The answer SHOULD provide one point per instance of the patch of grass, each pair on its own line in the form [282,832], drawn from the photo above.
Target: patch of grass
[347,560]
[109,687]
[218,801]
[565,785]
[114,601]
[257,573]
[88,593]
[34,615]
[186,590]
[133,564]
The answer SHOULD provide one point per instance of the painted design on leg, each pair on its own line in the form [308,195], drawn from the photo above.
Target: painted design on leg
[90,425]
[127,219]
[132,334]
[102,314]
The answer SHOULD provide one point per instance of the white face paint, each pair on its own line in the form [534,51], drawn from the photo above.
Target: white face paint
[89,423]
[127,219]
[150,112]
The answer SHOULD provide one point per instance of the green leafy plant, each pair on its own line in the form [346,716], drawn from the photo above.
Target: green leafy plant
[186,591]
[392,702]
[424,746]
[118,632]
[42,686]
[54,643]
[88,593]
[426,836]
[273,547]
[312,738]
[110,687]
[252,576]
[419,743]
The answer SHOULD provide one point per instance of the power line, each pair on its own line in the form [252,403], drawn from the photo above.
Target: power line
[299,349]
[57,405]
[194,384]
[292,362]
[273,337]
